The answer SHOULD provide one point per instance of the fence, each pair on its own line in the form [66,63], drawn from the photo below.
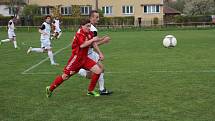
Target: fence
[142,26]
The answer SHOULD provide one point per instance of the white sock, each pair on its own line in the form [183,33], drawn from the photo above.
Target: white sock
[15,44]
[59,35]
[101,82]
[82,72]
[39,50]
[5,40]
[51,56]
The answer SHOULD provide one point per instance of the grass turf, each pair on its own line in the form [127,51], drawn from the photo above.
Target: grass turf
[150,82]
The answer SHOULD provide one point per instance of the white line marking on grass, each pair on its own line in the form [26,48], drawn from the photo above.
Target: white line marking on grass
[40,73]
[42,61]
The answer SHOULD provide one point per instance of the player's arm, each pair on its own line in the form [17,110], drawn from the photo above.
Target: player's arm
[87,43]
[41,30]
[9,25]
[97,49]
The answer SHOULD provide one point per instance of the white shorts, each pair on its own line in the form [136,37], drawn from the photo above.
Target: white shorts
[57,30]
[11,35]
[94,56]
[45,43]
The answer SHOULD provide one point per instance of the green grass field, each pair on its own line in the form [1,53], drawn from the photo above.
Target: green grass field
[150,82]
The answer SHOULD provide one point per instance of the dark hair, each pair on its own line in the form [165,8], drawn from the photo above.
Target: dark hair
[92,12]
[84,21]
[47,16]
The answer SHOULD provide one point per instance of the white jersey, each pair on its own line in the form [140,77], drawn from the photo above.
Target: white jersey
[11,26]
[57,25]
[94,30]
[47,30]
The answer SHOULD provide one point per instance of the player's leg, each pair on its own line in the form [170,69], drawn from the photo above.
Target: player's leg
[69,70]
[57,82]
[14,42]
[95,76]
[4,40]
[101,78]
[103,40]
[56,35]
[48,48]
[38,50]
[83,72]
[102,89]
[10,38]
[51,57]
[59,34]
[93,67]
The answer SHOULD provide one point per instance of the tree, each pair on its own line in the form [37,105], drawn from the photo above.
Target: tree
[56,11]
[31,10]
[199,7]
[15,6]
[178,5]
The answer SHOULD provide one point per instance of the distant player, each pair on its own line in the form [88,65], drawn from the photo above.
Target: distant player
[11,33]
[45,31]
[94,18]
[83,39]
[57,31]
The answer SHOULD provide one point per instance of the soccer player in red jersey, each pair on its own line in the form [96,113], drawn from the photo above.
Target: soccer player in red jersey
[79,59]
[94,19]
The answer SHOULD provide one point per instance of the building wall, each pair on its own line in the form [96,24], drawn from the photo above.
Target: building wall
[62,2]
[138,7]
[4,10]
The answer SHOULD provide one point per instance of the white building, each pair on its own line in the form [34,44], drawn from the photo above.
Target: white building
[6,8]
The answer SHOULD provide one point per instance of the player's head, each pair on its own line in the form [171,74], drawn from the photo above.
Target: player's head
[94,16]
[48,19]
[85,25]
[13,18]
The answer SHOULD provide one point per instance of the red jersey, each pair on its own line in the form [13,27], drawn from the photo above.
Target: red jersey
[79,58]
[79,39]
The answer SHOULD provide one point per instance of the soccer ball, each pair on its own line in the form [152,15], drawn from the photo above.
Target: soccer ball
[169,41]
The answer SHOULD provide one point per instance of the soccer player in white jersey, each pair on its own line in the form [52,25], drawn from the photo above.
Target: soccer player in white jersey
[94,18]
[45,31]
[11,33]
[57,31]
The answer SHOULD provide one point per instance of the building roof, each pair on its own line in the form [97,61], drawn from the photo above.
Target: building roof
[168,10]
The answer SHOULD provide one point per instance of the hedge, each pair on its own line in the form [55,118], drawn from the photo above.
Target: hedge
[184,19]
[4,20]
[70,21]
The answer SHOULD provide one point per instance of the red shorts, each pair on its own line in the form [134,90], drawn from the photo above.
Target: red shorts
[75,64]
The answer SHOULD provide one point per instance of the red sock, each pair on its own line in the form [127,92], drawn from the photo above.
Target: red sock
[93,82]
[56,83]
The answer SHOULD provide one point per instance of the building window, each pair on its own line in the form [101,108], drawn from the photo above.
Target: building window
[85,10]
[66,10]
[107,10]
[127,9]
[151,9]
[11,10]
[45,10]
